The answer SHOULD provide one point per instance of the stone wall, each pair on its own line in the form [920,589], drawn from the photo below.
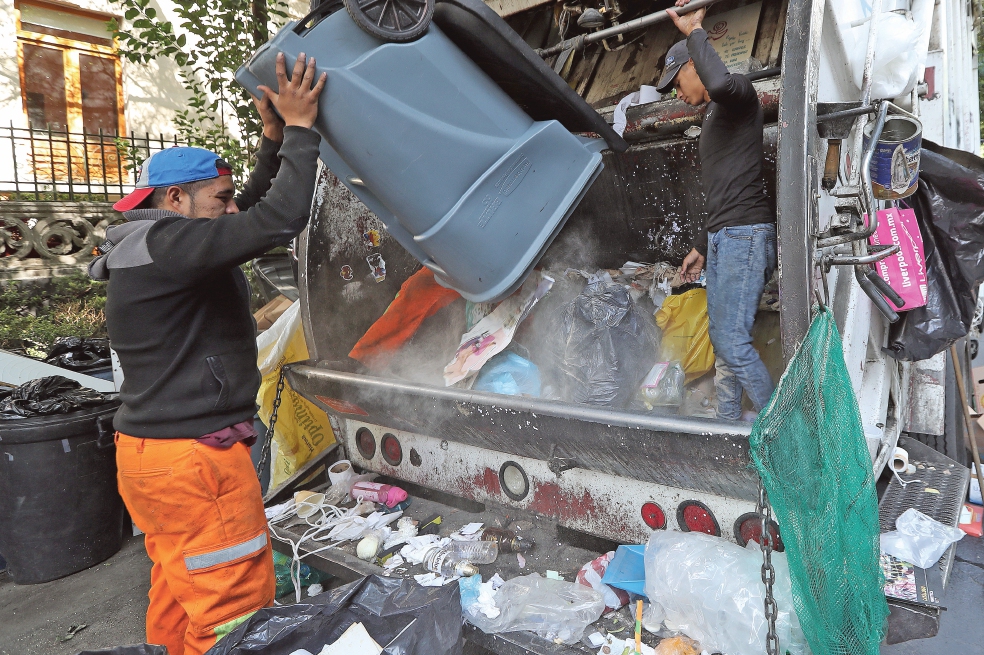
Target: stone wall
[41,240]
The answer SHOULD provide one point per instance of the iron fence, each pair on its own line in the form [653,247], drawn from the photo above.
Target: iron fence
[48,164]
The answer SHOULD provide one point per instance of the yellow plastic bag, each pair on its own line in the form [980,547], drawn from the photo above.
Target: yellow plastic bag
[683,320]
[302,429]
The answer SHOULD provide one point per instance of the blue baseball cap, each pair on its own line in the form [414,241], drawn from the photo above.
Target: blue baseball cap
[177,165]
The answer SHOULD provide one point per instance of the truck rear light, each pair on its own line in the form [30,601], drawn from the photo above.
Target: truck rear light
[695,516]
[366,443]
[514,481]
[653,516]
[748,527]
[391,449]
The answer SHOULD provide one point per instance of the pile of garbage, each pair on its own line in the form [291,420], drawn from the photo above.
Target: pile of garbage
[628,338]
[693,592]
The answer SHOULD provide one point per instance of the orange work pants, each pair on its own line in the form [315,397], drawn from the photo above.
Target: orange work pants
[201,511]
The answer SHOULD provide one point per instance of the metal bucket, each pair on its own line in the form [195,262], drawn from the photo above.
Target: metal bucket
[895,163]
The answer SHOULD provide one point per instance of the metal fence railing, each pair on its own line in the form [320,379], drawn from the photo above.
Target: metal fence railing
[51,165]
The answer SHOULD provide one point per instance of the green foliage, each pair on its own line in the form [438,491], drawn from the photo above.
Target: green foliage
[216,38]
[32,316]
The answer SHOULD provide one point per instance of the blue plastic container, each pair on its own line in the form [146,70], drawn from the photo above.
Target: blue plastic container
[627,570]
[460,175]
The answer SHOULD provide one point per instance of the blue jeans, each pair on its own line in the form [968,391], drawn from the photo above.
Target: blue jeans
[740,260]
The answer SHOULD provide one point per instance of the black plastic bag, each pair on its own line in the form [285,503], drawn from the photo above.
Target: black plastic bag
[400,615]
[136,649]
[609,346]
[78,354]
[949,206]
[51,395]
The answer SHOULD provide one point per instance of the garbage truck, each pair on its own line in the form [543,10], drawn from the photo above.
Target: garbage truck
[603,472]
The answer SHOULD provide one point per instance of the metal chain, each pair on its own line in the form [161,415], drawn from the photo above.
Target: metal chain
[768,572]
[268,437]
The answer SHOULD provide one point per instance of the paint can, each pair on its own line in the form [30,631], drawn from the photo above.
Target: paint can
[895,162]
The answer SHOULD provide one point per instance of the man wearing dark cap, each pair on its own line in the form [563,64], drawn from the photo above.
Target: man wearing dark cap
[739,242]
[178,315]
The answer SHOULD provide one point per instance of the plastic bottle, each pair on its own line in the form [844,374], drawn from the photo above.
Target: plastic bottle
[507,540]
[476,552]
[443,561]
[378,493]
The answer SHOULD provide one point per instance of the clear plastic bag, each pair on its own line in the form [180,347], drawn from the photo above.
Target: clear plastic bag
[918,539]
[608,341]
[663,385]
[553,609]
[711,590]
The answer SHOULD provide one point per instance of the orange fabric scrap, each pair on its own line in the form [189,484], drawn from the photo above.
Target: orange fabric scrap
[419,298]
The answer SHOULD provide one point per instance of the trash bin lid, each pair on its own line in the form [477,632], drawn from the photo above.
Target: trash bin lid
[52,427]
[499,51]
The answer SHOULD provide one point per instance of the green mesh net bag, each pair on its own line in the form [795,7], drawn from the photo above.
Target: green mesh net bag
[810,451]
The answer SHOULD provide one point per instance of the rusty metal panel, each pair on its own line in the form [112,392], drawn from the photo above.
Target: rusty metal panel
[582,499]
[927,395]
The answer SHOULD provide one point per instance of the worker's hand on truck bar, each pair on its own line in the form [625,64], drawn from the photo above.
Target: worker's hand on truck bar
[691,267]
[689,22]
[297,100]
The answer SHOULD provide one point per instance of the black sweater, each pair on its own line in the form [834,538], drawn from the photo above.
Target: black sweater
[730,145]
[177,306]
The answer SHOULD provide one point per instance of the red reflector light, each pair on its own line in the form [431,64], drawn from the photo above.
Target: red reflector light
[392,450]
[695,516]
[366,443]
[748,527]
[652,515]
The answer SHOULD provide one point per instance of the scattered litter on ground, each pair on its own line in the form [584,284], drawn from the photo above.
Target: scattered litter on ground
[72,631]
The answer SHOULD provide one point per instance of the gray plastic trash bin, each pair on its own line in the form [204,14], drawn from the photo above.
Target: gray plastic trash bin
[460,175]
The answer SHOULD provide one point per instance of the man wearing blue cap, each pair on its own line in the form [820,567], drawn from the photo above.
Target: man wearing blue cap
[178,316]
[739,242]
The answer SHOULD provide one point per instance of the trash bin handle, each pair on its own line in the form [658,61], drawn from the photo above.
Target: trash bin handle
[106,434]
[317,14]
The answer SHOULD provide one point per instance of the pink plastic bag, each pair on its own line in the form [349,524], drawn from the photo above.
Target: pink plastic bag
[904,271]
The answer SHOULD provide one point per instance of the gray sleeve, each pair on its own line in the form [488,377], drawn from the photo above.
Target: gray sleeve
[261,177]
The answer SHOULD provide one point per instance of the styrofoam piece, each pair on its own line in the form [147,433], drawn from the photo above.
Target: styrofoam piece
[15,370]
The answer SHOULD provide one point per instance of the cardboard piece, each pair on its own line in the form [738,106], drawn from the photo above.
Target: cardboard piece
[733,33]
[266,315]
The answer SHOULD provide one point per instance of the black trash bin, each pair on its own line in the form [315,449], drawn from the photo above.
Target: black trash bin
[60,511]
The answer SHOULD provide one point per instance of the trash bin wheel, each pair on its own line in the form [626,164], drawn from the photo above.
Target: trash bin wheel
[392,20]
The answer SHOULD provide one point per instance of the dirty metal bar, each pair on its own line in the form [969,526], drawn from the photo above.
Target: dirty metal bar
[852,260]
[672,117]
[869,55]
[797,194]
[578,42]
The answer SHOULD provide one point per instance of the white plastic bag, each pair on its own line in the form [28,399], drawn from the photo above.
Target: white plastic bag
[900,50]
[711,590]
[553,609]
[918,539]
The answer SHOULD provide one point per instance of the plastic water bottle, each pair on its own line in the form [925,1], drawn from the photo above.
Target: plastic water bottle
[476,552]
[443,562]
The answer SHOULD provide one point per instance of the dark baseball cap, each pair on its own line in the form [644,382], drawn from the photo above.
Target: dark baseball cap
[678,55]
